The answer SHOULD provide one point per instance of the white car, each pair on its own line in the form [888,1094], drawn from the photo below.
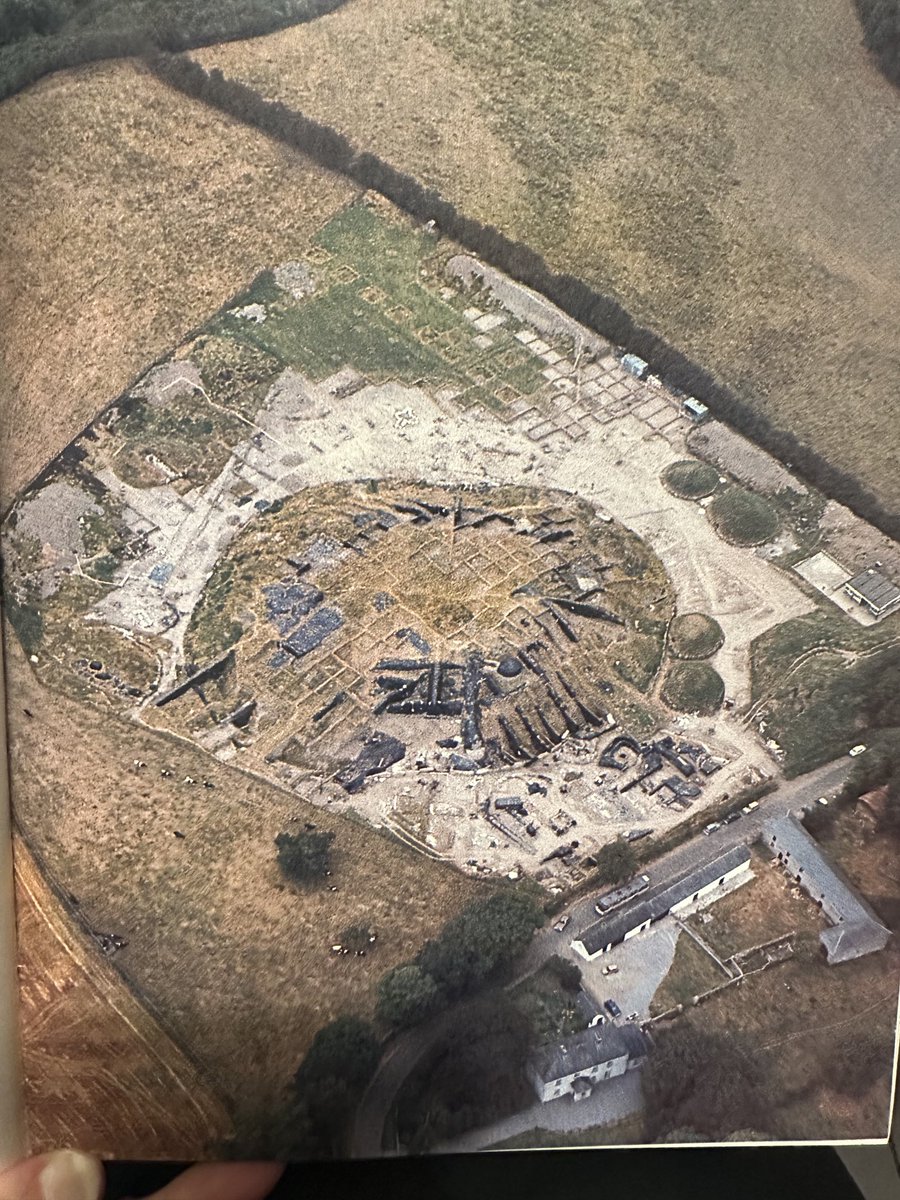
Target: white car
[748,808]
[823,800]
[561,923]
[856,750]
[712,827]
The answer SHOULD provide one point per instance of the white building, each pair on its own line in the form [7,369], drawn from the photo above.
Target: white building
[577,1064]
[692,888]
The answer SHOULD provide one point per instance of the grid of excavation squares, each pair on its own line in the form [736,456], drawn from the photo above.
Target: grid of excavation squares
[345,662]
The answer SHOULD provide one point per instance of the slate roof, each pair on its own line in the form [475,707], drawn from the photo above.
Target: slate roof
[875,588]
[857,928]
[853,939]
[590,1048]
[612,929]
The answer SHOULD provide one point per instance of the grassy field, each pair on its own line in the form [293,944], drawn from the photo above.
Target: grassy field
[642,148]
[804,1016]
[694,635]
[692,972]
[99,1070]
[192,907]
[130,214]
[809,677]
[693,687]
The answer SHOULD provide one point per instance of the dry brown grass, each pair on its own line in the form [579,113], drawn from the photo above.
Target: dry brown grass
[729,176]
[801,1014]
[130,214]
[99,1070]
[236,966]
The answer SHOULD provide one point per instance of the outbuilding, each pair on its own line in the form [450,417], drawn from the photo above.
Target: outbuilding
[874,591]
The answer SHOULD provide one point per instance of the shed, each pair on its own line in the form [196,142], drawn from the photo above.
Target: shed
[695,410]
[635,366]
[874,591]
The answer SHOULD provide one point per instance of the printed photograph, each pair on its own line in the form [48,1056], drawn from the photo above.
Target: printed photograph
[451,578]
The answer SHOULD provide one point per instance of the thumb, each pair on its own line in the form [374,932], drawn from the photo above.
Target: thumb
[62,1175]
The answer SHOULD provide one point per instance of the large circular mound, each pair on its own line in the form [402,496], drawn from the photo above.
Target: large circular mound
[743,518]
[695,635]
[690,479]
[359,622]
[693,687]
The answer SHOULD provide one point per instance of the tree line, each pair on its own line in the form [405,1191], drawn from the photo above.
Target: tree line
[40,36]
[599,312]
[470,952]
[880,20]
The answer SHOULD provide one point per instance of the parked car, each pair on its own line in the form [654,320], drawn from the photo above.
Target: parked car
[562,923]
[856,750]
[731,818]
[612,1008]
[748,808]
[711,828]
[610,970]
[823,800]
[632,1017]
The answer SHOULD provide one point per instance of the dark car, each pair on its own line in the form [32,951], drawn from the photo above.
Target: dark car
[732,816]
[612,1008]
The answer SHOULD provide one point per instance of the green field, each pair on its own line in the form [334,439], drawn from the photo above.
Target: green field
[812,680]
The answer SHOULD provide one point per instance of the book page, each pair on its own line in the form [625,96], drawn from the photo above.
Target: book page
[451,578]
[12,1112]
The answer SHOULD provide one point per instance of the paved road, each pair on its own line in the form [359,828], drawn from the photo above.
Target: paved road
[790,797]
[613,1101]
[406,1051]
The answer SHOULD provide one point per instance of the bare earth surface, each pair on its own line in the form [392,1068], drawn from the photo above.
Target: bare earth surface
[729,174]
[129,215]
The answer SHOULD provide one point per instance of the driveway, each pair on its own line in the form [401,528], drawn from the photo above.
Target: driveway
[610,1102]
[643,965]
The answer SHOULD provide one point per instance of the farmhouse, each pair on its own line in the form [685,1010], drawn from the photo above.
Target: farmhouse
[575,1065]
[856,929]
[692,888]
[874,591]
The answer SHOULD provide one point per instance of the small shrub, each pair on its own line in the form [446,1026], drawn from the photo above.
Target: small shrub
[304,857]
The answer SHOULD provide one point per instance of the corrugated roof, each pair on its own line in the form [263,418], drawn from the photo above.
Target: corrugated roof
[590,1048]
[876,588]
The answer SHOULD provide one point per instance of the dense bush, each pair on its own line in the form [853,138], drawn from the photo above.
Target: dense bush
[616,862]
[476,1075]
[693,687]
[880,20]
[695,635]
[304,857]
[743,518]
[485,937]
[325,1090]
[690,479]
[703,1082]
